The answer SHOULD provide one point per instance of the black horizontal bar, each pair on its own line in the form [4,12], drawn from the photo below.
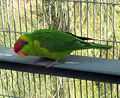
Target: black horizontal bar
[60,72]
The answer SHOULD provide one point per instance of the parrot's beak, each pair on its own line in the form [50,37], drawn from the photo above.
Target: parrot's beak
[22,54]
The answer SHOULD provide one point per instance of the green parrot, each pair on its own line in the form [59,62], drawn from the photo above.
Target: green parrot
[52,44]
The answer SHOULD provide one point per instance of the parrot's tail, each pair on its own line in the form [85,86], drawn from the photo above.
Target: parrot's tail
[99,46]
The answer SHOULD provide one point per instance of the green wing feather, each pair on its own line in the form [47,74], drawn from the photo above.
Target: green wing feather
[61,41]
[54,40]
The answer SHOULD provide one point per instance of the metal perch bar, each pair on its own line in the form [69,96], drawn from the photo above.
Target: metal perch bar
[74,66]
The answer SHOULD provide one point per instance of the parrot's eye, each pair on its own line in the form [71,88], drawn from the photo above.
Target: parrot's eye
[19,45]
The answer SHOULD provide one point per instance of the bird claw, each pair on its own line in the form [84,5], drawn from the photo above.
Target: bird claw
[45,62]
[52,64]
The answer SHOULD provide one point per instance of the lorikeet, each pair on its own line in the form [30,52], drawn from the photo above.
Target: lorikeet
[52,44]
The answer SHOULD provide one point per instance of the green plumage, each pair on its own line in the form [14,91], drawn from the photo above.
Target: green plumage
[56,44]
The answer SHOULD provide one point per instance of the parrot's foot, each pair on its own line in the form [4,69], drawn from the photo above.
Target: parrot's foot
[51,64]
[55,62]
[47,62]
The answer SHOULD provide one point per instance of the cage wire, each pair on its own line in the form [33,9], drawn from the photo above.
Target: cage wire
[98,19]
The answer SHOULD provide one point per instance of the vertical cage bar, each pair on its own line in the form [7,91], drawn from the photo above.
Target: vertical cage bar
[74,88]
[107,26]
[117,90]
[94,23]
[51,86]
[69,96]
[74,29]
[1,79]
[40,85]
[3,21]
[25,14]
[34,85]
[68,23]
[111,87]
[62,24]
[98,83]
[57,88]
[81,20]
[8,20]
[6,83]
[45,85]
[62,87]
[12,85]
[113,25]
[81,89]
[105,90]
[23,83]
[86,88]
[92,89]
[87,21]
[74,18]
[14,19]
[29,87]
[19,14]
[100,26]
[37,13]
[31,15]
[17,76]
[49,13]
[44,12]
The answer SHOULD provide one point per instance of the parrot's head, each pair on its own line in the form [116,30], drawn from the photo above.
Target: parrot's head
[19,45]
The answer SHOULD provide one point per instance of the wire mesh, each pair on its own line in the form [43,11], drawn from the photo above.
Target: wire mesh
[16,84]
[97,19]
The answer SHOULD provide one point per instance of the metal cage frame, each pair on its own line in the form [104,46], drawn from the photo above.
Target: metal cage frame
[19,80]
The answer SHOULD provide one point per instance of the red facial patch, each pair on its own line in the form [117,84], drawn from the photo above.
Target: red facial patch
[17,46]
